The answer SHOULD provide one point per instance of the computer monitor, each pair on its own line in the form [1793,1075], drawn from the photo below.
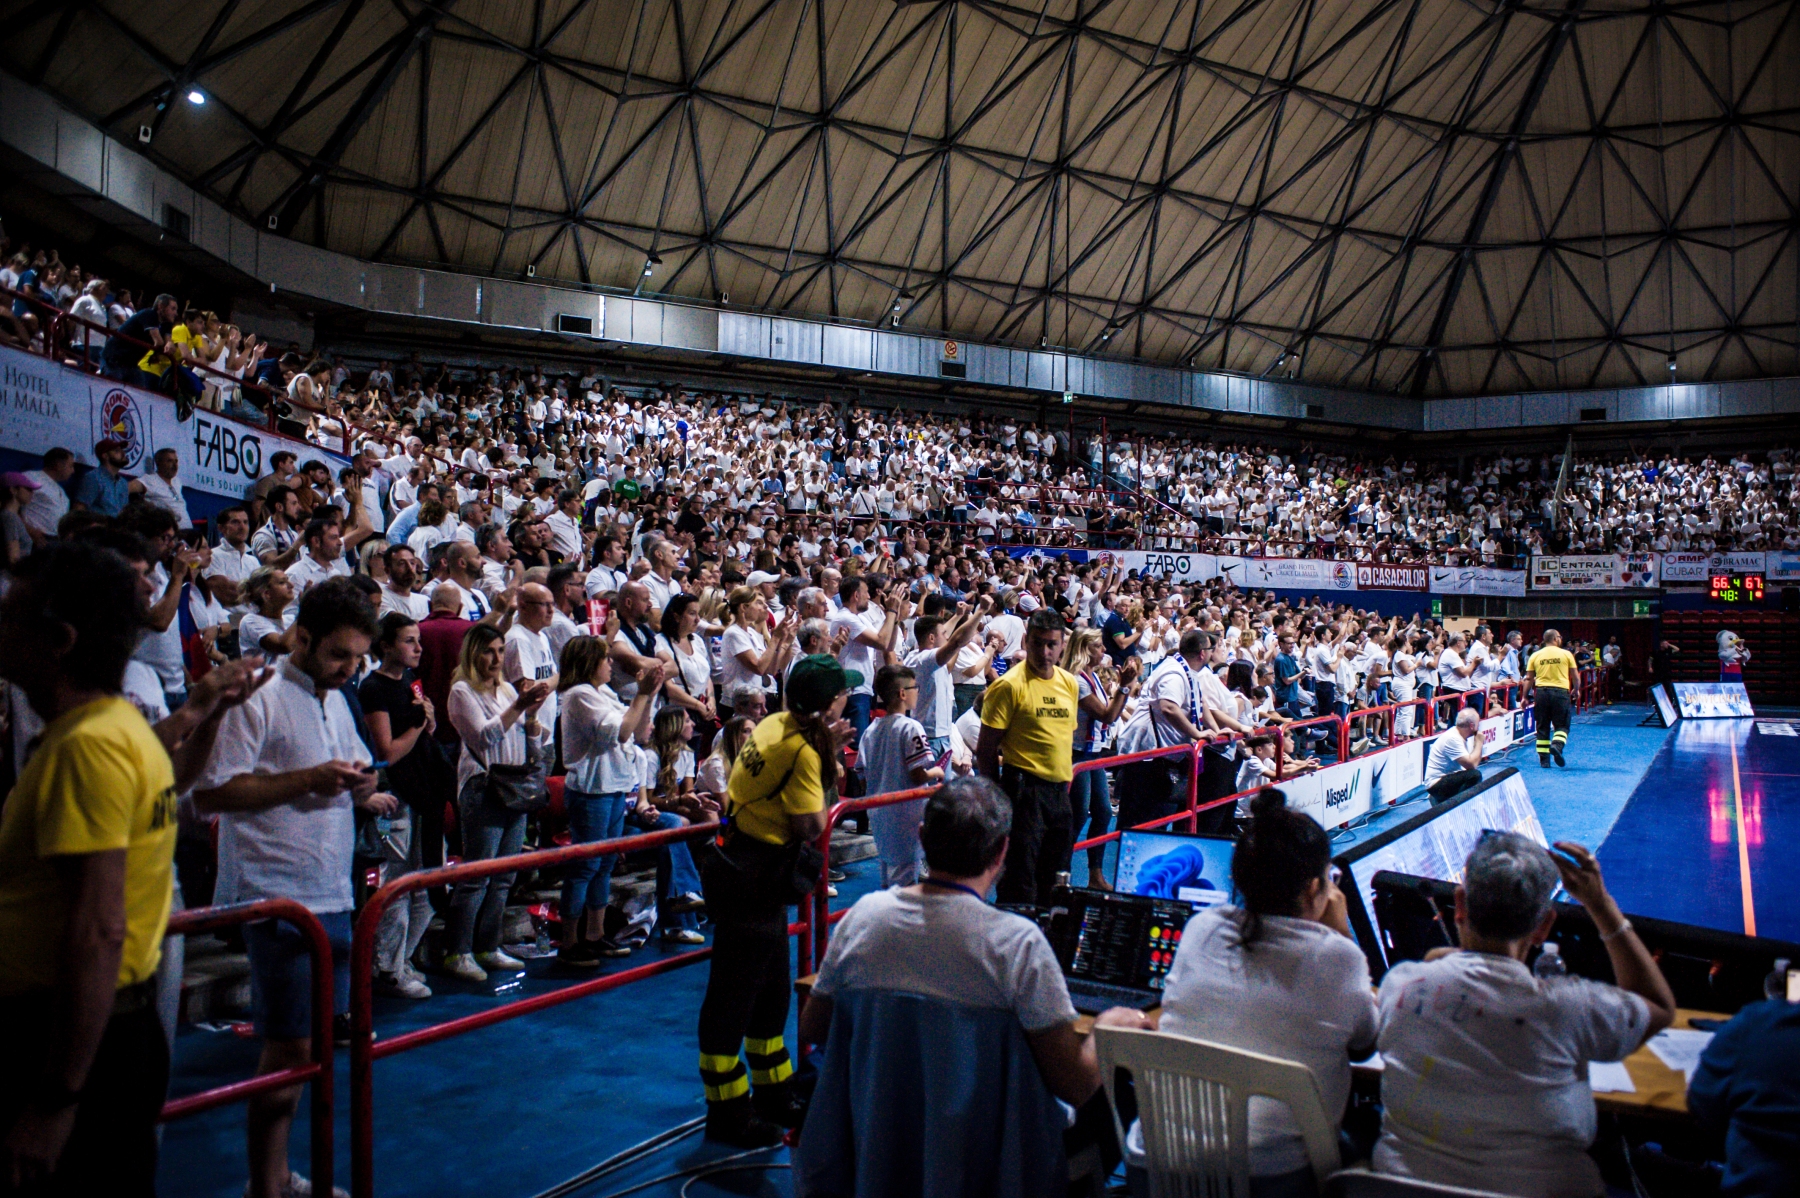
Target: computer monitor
[1195,869]
[1433,844]
[1665,704]
[1120,939]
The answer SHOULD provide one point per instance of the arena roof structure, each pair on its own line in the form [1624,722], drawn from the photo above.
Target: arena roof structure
[1422,197]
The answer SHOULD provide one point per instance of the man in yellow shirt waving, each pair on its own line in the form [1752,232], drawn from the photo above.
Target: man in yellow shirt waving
[1550,670]
[1029,717]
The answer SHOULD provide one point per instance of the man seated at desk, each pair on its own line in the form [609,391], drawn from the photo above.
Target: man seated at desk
[1486,1065]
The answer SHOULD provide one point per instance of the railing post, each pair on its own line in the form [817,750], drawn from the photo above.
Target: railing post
[362,1039]
[1195,758]
[322,1113]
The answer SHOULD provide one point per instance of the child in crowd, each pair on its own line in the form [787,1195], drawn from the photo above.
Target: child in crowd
[715,771]
[895,756]
[667,800]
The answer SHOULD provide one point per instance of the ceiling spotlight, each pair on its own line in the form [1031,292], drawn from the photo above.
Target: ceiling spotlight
[196,97]
[650,264]
[1671,366]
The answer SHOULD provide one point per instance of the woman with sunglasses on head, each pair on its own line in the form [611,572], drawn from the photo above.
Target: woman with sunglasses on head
[1276,972]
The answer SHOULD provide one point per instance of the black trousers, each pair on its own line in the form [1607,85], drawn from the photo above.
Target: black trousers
[1451,785]
[1324,694]
[748,988]
[1551,711]
[112,1150]
[1148,790]
[1041,837]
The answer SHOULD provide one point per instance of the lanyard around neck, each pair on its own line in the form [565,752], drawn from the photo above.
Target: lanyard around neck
[968,890]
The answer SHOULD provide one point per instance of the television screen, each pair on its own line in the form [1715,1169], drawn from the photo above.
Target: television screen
[1665,706]
[1433,845]
[1193,869]
[1713,700]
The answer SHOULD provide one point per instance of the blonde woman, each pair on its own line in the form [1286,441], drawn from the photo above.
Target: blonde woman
[749,652]
[498,726]
[265,630]
[1098,708]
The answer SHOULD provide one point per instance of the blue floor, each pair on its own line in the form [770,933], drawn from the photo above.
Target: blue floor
[522,1106]
[1699,845]
[511,1109]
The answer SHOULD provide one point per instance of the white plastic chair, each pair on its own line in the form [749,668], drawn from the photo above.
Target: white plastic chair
[1359,1183]
[1193,1101]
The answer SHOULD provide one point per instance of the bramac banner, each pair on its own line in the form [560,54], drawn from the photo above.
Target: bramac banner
[1699,567]
[1339,793]
[43,405]
[1476,580]
[1375,577]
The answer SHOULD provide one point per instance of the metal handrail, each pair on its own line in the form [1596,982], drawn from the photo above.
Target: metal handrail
[319,1072]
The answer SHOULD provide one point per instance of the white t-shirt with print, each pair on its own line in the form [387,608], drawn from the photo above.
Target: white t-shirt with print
[1486,1081]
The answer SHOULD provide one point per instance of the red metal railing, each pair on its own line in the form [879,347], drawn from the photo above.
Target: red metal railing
[1389,714]
[1330,719]
[319,1071]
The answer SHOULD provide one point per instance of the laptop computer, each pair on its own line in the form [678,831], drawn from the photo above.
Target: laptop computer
[1189,867]
[1116,949]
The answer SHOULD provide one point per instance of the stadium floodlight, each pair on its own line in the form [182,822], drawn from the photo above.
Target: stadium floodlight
[196,97]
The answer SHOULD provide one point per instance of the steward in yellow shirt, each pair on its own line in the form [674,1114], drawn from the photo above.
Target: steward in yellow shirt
[1029,716]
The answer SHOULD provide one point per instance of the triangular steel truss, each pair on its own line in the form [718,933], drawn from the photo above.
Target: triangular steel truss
[1428,197]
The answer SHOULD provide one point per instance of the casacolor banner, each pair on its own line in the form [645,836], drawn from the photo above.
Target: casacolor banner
[1476,580]
[1375,577]
[43,405]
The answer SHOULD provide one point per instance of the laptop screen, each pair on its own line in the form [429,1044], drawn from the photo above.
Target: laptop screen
[1122,940]
[1192,869]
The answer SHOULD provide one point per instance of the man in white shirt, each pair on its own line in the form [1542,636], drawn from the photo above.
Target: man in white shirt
[665,557]
[286,772]
[232,561]
[1454,763]
[528,657]
[1454,669]
[940,638]
[608,574]
[565,525]
[163,487]
[1322,665]
[869,631]
[1008,626]
[397,593]
[323,558]
[50,502]
[1486,1066]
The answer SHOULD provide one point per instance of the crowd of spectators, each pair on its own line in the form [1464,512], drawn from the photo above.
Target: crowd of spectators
[693,606]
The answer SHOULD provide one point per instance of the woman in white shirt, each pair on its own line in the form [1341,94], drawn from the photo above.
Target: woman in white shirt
[690,665]
[1279,975]
[602,780]
[714,775]
[498,726]
[264,629]
[748,653]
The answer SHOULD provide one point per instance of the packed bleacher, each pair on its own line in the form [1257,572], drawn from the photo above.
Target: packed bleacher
[531,611]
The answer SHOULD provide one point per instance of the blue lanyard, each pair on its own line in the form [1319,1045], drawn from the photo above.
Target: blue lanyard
[955,886]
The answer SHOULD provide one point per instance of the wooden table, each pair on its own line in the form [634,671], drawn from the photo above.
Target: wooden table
[1660,1089]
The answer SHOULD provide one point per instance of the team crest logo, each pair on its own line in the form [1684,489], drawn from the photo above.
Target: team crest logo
[121,419]
[1343,577]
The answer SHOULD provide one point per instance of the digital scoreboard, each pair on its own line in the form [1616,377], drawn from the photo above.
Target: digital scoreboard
[1736,588]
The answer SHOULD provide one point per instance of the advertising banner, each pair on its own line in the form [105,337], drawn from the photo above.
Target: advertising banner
[43,405]
[1164,563]
[1637,569]
[1292,574]
[1697,568]
[1497,733]
[1782,565]
[1476,580]
[1391,578]
[1575,572]
[1339,793]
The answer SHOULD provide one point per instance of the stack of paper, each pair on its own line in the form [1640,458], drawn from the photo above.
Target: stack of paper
[1610,1077]
[1680,1049]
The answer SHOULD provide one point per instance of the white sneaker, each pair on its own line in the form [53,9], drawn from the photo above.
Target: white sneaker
[683,936]
[499,962]
[404,985]
[462,965]
[299,1186]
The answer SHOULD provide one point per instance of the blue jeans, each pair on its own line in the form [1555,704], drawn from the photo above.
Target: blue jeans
[587,886]
[856,710]
[675,872]
[1090,803]
[281,975]
[478,906]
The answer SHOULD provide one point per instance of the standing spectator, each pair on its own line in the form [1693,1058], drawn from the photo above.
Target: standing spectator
[50,502]
[894,756]
[287,772]
[232,562]
[399,593]
[1171,712]
[498,726]
[105,490]
[441,635]
[401,720]
[163,487]
[1469,1030]
[171,560]
[147,326]
[598,732]
[528,656]
[16,491]
[1029,715]
[87,841]
[869,633]
[1090,800]
[681,647]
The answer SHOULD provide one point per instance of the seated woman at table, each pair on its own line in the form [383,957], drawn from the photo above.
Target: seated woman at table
[1279,975]
[1486,1081]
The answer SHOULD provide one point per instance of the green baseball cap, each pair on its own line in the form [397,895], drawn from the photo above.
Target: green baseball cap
[816,680]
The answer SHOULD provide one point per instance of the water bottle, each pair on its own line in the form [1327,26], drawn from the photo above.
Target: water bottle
[1775,986]
[1550,963]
